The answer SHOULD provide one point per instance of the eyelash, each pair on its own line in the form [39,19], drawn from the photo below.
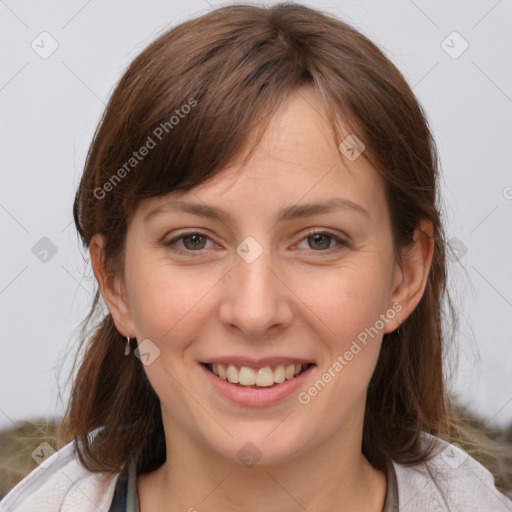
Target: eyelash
[340,241]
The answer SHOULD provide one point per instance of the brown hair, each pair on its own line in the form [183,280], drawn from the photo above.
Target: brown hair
[238,63]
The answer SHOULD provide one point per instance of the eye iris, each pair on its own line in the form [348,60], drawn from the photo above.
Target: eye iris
[196,241]
[318,237]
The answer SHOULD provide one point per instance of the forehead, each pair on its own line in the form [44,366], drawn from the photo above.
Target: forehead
[296,161]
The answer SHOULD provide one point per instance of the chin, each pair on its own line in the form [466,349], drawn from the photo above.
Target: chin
[260,448]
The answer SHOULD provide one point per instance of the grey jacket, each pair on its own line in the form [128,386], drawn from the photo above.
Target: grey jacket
[451,481]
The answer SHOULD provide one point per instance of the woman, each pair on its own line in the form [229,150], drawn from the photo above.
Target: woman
[261,209]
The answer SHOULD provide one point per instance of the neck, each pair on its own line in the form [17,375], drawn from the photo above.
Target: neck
[333,476]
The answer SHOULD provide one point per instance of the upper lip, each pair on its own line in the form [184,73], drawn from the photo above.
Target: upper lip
[251,362]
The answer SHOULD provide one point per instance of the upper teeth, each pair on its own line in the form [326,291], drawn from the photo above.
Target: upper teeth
[264,377]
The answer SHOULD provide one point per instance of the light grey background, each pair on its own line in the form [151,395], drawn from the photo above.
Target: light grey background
[50,107]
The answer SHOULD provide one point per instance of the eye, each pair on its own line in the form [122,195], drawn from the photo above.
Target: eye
[320,240]
[192,241]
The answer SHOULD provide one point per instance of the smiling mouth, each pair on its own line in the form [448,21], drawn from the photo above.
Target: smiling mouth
[265,377]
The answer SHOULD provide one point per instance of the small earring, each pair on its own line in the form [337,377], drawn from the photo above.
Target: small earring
[398,330]
[127,348]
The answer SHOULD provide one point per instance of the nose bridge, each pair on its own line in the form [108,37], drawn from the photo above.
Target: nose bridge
[256,299]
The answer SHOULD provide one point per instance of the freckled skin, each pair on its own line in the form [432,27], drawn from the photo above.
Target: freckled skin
[294,300]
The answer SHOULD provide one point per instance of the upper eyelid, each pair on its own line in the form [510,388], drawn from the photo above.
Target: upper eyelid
[189,233]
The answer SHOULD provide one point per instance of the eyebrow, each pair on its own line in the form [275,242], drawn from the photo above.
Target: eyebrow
[287,213]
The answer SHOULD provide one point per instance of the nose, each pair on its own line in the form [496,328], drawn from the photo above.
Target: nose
[256,299]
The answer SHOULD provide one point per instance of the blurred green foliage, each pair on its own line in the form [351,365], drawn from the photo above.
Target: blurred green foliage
[16,447]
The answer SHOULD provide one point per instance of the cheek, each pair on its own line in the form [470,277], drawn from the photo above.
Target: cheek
[167,301]
[346,301]
[347,307]
[170,307]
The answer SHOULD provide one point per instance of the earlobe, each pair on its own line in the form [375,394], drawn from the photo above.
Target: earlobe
[110,287]
[414,271]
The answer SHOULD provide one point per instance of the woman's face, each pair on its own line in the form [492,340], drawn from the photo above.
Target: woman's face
[232,273]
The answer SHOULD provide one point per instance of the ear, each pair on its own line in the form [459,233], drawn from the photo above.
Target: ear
[410,276]
[112,287]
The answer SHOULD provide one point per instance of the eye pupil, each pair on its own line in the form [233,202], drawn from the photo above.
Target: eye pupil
[195,239]
[318,237]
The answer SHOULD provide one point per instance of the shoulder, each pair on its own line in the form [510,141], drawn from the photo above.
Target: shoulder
[451,481]
[61,484]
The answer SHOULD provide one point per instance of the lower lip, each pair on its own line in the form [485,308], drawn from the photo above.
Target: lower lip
[257,396]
